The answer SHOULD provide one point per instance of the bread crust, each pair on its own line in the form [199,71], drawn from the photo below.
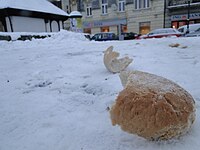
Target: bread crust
[153,107]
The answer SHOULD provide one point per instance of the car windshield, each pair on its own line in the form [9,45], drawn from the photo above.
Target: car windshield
[181,30]
[198,30]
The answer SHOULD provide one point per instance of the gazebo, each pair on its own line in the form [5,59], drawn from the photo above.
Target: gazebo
[31,16]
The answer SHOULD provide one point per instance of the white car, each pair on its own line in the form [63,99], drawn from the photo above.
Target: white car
[192,28]
[194,34]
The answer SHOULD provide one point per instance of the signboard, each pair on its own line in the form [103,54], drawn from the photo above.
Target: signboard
[101,23]
[185,16]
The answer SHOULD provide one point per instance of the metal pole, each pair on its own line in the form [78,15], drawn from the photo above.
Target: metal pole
[164,13]
[188,18]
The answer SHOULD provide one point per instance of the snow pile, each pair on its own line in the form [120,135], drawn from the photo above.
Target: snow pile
[65,35]
[55,93]
[62,35]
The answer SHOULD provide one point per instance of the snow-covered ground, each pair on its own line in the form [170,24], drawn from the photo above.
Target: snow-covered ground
[55,92]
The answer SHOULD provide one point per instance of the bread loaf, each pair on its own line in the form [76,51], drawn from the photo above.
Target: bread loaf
[152,107]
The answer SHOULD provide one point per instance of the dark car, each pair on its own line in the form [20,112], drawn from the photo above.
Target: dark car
[130,35]
[160,33]
[104,36]
[87,36]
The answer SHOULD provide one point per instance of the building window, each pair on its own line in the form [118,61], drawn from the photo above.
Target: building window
[121,6]
[104,6]
[141,4]
[67,9]
[147,4]
[89,11]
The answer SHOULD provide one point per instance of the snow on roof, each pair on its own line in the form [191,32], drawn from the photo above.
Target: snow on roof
[75,14]
[33,5]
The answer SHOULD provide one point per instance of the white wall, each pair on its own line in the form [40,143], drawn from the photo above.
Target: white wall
[54,26]
[8,24]
[25,24]
[61,24]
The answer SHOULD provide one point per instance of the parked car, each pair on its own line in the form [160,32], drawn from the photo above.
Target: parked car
[87,36]
[192,28]
[160,33]
[129,35]
[104,36]
[194,34]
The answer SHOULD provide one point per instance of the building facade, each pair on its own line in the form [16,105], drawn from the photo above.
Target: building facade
[181,12]
[138,16]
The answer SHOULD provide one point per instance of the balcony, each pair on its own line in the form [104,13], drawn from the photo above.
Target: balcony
[182,3]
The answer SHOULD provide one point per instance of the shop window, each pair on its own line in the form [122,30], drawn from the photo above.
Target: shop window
[87,30]
[124,28]
[182,23]
[105,29]
[197,21]
[144,27]
[104,6]
[175,25]
[89,11]
[121,6]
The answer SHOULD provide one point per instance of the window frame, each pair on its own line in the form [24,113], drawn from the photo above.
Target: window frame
[104,7]
[121,5]
[89,11]
[141,4]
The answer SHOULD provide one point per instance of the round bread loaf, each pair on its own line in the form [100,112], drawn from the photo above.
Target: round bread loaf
[152,107]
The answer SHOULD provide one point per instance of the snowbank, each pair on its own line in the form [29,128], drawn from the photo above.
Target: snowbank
[55,93]
[65,35]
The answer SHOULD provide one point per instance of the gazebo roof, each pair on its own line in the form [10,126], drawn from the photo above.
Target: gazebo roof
[33,5]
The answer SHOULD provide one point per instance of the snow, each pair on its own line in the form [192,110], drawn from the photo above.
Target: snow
[75,14]
[32,5]
[55,92]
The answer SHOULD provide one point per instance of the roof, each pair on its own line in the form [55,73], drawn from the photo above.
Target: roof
[33,5]
[75,14]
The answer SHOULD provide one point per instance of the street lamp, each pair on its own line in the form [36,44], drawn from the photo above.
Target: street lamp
[188,17]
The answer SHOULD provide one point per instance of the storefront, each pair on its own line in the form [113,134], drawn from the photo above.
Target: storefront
[110,25]
[180,20]
[144,27]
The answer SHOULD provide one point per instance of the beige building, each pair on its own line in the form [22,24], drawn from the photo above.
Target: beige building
[182,12]
[138,16]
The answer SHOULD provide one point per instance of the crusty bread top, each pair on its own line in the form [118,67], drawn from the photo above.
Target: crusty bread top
[152,106]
